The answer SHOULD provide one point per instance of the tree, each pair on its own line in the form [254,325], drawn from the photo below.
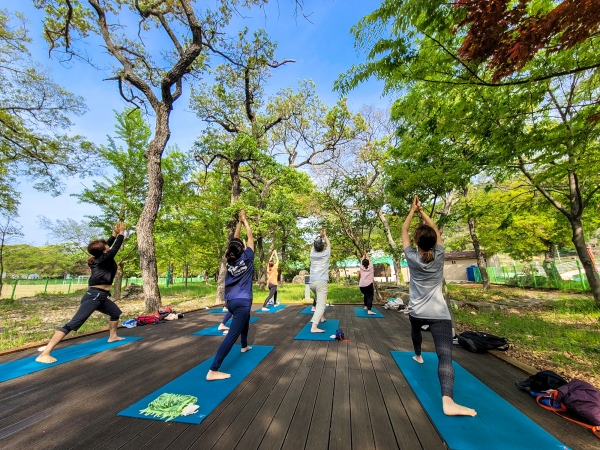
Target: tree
[246,130]
[144,78]
[120,194]
[34,114]
[8,232]
[507,36]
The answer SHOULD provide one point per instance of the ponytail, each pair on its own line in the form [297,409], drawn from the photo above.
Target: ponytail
[234,251]
[365,263]
[427,256]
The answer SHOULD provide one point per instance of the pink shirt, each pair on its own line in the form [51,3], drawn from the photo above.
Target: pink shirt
[366,275]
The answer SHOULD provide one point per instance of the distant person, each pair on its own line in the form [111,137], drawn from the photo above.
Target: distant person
[365,283]
[426,304]
[238,296]
[319,277]
[272,281]
[103,266]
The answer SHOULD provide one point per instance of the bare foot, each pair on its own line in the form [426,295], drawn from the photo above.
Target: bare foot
[371,313]
[115,339]
[213,375]
[323,319]
[313,309]
[46,359]
[225,332]
[419,359]
[223,328]
[265,309]
[453,409]
[364,307]
[245,349]
[41,349]
[314,329]
[224,309]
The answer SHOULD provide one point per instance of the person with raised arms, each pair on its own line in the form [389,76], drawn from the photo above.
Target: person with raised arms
[103,266]
[319,277]
[365,282]
[426,304]
[238,295]
[272,282]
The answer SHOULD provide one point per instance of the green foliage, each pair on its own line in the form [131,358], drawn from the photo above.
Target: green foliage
[34,115]
[50,261]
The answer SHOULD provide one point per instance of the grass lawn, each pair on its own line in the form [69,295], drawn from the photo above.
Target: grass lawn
[562,335]
[33,320]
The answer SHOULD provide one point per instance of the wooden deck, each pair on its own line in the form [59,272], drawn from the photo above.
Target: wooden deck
[305,394]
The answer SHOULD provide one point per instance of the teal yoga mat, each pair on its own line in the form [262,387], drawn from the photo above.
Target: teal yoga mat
[217,311]
[308,310]
[209,393]
[25,366]
[361,312]
[497,426]
[214,330]
[272,309]
[330,326]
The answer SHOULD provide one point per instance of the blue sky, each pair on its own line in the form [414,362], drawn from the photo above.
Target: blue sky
[322,47]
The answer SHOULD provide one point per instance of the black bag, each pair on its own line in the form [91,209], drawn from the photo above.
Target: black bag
[542,381]
[477,342]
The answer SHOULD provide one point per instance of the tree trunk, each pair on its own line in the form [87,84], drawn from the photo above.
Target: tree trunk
[391,243]
[336,271]
[185,274]
[220,296]
[118,283]
[585,258]
[145,225]
[478,253]
[262,270]
[549,260]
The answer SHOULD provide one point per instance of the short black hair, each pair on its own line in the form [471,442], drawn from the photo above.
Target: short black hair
[319,244]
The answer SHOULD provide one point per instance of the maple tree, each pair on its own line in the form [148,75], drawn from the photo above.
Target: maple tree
[507,35]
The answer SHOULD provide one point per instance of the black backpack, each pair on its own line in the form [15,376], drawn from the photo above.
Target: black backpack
[477,342]
[542,381]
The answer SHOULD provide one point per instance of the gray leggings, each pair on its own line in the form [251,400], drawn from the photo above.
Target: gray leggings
[93,300]
[272,293]
[441,331]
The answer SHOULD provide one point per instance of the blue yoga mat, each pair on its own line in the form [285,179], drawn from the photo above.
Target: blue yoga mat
[214,330]
[330,326]
[209,393]
[308,310]
[497,426]
[361,312]
[217,311]
[25,366]
[272,309]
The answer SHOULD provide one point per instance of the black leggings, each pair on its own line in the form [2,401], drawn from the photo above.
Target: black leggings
[441,331]
[272,293]
[368,293]
[93,300]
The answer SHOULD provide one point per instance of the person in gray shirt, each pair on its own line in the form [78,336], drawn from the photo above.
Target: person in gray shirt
[319,277]
[426,304]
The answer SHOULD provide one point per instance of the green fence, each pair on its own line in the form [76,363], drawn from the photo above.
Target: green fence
[567,275]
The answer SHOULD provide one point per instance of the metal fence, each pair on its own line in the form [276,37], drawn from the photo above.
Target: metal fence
[19,288]
[568,275]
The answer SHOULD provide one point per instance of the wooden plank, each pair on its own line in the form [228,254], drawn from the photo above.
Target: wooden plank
[383,432]
[341,436]
[298,431]
[277,431]
[319,430]
[259,425]
[360,421]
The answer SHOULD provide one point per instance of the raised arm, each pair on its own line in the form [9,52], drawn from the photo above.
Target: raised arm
[276,258]
[324,235]
[238,227]
[406,225]
[250,243]
[430,222]
[116,243]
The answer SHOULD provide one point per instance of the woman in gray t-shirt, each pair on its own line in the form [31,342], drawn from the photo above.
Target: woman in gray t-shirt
[426,304]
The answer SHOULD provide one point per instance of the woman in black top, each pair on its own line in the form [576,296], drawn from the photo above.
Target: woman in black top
[103,266]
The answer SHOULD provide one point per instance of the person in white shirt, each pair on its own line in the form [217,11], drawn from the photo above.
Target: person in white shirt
[319,277]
